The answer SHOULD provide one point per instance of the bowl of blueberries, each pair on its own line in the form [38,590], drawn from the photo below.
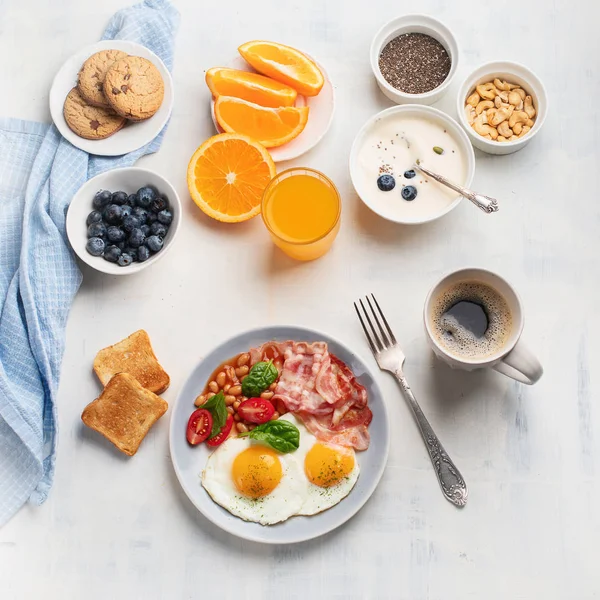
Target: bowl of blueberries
[123,220]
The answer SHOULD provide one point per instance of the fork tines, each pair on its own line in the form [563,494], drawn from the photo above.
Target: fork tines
[378,342]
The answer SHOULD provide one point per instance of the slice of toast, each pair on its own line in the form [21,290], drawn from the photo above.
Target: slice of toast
[133,355]
[124,412]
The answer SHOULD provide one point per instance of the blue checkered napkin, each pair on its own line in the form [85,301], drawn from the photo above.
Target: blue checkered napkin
[39,174]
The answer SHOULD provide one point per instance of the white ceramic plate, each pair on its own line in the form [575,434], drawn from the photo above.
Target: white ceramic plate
[133,135]
[130,180]
[189,461]
[320,116]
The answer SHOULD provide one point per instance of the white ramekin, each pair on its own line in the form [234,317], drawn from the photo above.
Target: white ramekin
[513,73]
[414,24]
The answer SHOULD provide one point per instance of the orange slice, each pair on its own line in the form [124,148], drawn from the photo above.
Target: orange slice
[284,64]
[270,126]
[249,86]
[227,176]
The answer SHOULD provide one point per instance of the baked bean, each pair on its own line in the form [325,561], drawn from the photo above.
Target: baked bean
[242,398]
[241,427]
[226,388]
[243,359]
[213,386]
[229,400]
[221,379]
[267,395]
[235,390]
[236,404]
[230,371]
[210,395]
[275,416]
[241,371]
[200,400]
[273,386]
[230,409]
[236,417]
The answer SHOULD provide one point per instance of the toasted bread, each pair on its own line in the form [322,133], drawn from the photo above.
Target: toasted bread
[124,412]
[133,355]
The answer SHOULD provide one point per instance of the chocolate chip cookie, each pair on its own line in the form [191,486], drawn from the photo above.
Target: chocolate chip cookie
[90,122]
[91,76]
[134,88]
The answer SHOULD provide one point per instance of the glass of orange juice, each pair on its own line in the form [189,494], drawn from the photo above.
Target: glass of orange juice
[301,209]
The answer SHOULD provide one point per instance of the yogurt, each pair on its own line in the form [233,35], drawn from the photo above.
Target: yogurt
[391,146]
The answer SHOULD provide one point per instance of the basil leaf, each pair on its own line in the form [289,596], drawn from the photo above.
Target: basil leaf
[216,407]
[281,435]
[260,377]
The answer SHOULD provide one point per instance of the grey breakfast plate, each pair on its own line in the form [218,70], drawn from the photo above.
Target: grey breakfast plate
[189,461]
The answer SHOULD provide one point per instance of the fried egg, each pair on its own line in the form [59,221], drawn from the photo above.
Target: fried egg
[254,482]
[329,471]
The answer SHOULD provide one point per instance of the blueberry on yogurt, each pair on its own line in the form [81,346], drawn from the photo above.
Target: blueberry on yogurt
[409,192]
[386,183]
[409,174]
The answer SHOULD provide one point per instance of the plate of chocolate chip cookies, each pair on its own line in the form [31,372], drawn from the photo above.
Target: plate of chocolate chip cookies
[111,98]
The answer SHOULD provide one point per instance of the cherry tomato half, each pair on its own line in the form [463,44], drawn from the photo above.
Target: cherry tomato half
[199,426]
[222,435]
[256,410]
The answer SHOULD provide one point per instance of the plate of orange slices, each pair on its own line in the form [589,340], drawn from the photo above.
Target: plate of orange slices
[277,95]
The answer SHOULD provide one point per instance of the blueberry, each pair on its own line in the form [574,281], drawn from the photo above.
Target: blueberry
[158,229]
[151,218]
[120,246]
[115,234]
[133,252]
[409,192]
[145,230]
[94,217]
[112,253]
[119,198]
[140,213]
[159,203]
[136,238]
[96,230]
[143,253]
[124,260]
[126,210]
[154,243]
[386,183]
[145,196]
[95,246]
[130,223]
[101,199]
[166,216]
[113,214]
[409,174]
[132,200]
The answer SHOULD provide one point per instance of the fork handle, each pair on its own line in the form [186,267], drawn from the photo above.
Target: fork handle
[451,481]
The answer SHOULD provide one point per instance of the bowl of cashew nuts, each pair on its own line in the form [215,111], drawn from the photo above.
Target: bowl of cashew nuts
[502,106]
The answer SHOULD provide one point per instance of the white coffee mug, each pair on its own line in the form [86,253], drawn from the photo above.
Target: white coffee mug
[513,359]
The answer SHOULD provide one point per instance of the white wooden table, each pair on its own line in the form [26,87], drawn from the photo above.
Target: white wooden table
[115,527]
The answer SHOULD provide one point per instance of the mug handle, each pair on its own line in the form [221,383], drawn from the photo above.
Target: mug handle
[520,364]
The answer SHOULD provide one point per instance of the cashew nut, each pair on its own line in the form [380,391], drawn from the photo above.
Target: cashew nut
[487,90]
[470,114]
[525,129]
[514,98]
[518,128]
[483,105]
[501,138]
[528,107]
[504,130]
[518,116]
[483,129]
[529,123]
[473,99]
[499,115]
[501,85]
[520,91]
[512,138]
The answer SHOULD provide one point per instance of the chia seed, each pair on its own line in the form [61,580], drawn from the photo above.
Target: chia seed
[414,63]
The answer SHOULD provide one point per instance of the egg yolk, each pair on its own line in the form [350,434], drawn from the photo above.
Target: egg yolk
[327,465]
[256,471]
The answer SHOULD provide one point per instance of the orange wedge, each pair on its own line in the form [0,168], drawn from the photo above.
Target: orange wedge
[249,86]
[270,126]
[284,64]
[227,176]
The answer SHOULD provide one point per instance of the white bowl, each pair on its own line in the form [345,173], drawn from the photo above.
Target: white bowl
[135,134]
[513,73]
[414,24]
[412,110]
[128,179]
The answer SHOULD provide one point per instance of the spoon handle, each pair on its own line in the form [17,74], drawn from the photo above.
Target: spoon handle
[485,203]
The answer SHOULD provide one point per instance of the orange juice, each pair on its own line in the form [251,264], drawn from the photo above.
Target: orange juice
[301,209]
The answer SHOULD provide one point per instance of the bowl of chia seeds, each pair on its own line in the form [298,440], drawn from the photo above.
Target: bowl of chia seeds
[414,59]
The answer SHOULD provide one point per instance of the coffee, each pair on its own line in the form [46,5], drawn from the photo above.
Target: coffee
[471,319]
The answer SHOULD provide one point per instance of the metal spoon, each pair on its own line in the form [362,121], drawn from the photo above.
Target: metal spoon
[485,203]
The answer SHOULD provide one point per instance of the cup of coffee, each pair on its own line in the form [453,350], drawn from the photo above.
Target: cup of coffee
[474,319]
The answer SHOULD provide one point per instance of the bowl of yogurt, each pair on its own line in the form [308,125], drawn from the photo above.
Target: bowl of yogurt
[385,151]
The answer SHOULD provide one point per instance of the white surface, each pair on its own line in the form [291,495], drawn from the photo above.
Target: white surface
[130,180]
[190,461]
[135,134]
[387,210]
[513,73]
[320,115]
[116,527]
[414,24]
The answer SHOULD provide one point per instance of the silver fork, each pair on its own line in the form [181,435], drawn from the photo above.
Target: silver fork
[390,358]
